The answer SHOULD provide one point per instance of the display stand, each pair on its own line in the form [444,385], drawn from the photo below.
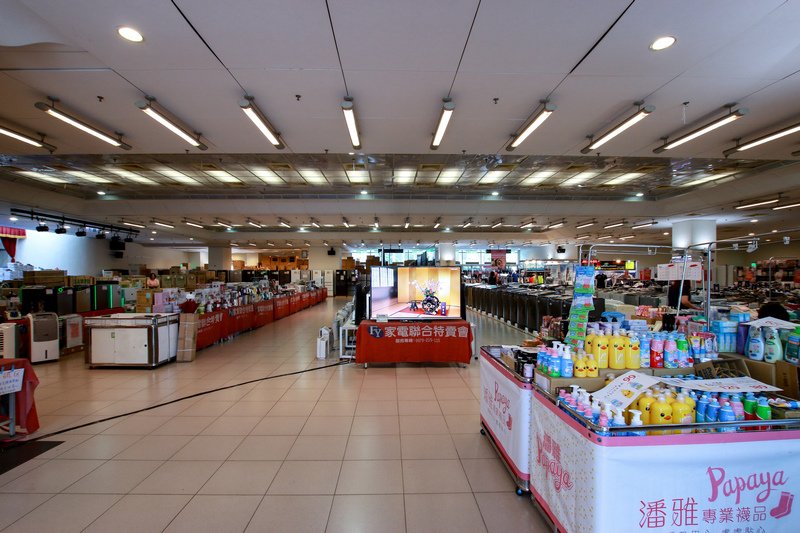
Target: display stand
[715,482]
[443,341]
[505,402]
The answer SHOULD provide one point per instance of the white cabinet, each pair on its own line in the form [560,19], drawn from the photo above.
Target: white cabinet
[133,339]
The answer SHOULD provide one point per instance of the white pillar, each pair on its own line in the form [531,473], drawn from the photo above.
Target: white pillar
[219,258]
[696,231]
[446,252]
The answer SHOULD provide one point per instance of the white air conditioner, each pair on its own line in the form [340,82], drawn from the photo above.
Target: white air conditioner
[9,341]
[44,337]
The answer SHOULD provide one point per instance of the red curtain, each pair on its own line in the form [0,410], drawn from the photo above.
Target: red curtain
[9,236]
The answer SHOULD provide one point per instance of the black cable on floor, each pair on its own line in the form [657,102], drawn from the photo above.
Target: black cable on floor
[16,444]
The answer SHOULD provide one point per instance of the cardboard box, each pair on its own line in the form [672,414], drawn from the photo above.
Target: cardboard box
[788,378]
[187,337]
[553,385]
[147,296]
[721,368]
[144,309]
[669,372]
[759,370]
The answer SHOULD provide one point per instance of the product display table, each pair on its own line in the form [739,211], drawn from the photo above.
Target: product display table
[25,406]
[439,341]
[132,339]
[711,482]
[506,413]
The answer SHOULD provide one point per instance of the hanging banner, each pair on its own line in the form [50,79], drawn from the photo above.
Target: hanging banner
[498,259]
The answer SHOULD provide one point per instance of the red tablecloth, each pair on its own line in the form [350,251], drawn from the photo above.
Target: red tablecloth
[281,307]
[443,341]
[210,328]
[295,301]
[264,313]
[26,406]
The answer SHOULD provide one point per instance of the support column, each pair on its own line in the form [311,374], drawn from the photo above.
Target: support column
[697,231]
[445,252]
[219,258]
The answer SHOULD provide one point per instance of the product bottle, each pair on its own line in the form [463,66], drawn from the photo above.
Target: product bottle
[689,400]
[793,347]
[596,410]
[644,406]
[773,349]
[763,412]
[670,352]
[700,412]
[636,421]
[681,412]
[591,367]
[587,414]
[616,353]
[601,348]
[633,356]
[579,369]
[712,411]
[749,405]
[726,414]
[683,351]
[567,366]
[610,377]
[555,366]
[603,422]
[657,351]
[589,342]
[755,347]
[618,421]
[644,350]
[660,413]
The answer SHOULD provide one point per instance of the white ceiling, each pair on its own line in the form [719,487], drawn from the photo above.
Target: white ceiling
[399,59]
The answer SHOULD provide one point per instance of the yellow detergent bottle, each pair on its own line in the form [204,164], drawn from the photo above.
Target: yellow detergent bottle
[681,412]
[616,352]
[589,343]
[632,353]
[688,400]
[644,406]
[579,370]
[601,350]
[660,413]
[591,367]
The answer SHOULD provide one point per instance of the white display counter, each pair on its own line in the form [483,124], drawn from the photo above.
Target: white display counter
[132,339]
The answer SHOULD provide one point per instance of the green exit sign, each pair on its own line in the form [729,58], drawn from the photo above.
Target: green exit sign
[752,265]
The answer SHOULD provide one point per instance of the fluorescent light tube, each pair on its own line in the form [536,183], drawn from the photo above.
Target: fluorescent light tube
[444,119]
[377,223]
[254,224]
[643,225]
[219,222]
[314,223]
[614,225]
[626,237]
[583,237]
[283,223]
[163,224]
[711,126]
[132,176]
[497,224]
[706,179]
[468,223]
[604,237]
[581,177]
[407,223]
[787,206]
[43,177]
[161,117]
[756,204]
[132,224]
[27,140]
[193,224]
[437,223]
[74,122]
[178,176]
[346,223]
[555,225]
[88,177]
[765,139]
[350,119]
[257,117]
[585,225]
[619,128]
[536,121]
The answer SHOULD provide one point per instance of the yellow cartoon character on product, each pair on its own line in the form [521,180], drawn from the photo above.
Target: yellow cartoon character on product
[591,368]
[580,368]
[627,393]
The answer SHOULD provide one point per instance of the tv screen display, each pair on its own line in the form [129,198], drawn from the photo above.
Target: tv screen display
[414,293]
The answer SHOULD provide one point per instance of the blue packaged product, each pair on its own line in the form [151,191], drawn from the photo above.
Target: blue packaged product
[566,367]
[712,411]
[726,414]
[700,409]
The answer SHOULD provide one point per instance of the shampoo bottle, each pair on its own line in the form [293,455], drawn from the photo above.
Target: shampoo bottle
[589,343]
[689,400]
[616,353]
[618,420]
[670,352]
[763,411]
[700,412]
[644,350]
[726,414]
[644,406]
[793,347]
[591,367]
[712,411]
[773,349]
[636,421]
[601,343]
[567,365]
[660,413]
[633,356]
[579,369]
[749,405]
[657,351]
[755,346]
[681,411]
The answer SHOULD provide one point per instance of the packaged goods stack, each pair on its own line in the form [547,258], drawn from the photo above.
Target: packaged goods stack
[187,339]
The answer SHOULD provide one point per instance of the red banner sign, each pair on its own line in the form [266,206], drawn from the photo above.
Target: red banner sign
[414,342]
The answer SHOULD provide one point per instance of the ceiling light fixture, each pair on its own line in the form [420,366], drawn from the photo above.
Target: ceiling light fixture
[162,224]
[641,112]
[345,222]
[130,34]
[282,222]
[307,243]
[702,130]
[497,224]
[444,119]
[86,176]
[761,140]
[348,108]
[270,243]
[251,244]
[407,223]
[253,223]
[437,223]
[101,193]
[364,193]
[315,222]
[625,178]
[556,225]
[495,193]
[51,110]
[160,115]
[220,222]
[581,237]
[644,225]
[586,224]
[41,176]
[467,223]
[536,120]
[756,204]
[527,225]
[192,223]
[255,115]
[26,139]
[377,223]
[603,237]
[288,243]
[132,224]
[639,194]
[614,225]
[132,176]
[626,237]
[662,43]
[324,243]
[787,206]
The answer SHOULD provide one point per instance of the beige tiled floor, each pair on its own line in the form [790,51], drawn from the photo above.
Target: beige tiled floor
[341,449]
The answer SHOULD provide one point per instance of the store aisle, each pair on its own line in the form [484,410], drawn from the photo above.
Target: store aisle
[339,449]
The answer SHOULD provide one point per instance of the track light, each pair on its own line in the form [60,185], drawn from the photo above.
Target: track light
[160,115]
[437,223]
[51,110]
[786,206]
[42,227]
[614,225]
[132,224]
[586,224]
[220,222]
[467,223]
[100,235]
[60,230]
[283,223]
[345,222]
[756,204]
[555,225]
[407,223]
[702,130]
[252,111]
[527,225]
[193,224]
[641,113]
[348,108]
[536,120]
[26,139]
[315,222]
[307,243]
[251,244]
[81,232]
[253,223]
[497,224]
[288,243]
[644,225]
[764,139]
[444,119]
[270,243]
[162,224]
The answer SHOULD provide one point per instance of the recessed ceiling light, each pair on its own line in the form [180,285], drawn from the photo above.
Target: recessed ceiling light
[152,238]
[364,192]
[666,233]
[191,238]
[495,193]
[773,231]
[101,193]
[753,220]
[751,234]
[639,194]
[130,34]
[154,232]
[662,43]
[14,219]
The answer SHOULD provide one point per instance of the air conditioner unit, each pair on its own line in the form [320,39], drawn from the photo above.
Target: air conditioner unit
[44,337]
[71,334]
[9,341]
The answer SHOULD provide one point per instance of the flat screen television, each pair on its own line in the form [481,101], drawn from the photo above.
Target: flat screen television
[417,293]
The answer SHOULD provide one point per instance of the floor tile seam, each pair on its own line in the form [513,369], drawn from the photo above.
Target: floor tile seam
[52,495]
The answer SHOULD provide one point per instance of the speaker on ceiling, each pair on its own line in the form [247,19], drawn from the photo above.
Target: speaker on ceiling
[561,250]
[332,251]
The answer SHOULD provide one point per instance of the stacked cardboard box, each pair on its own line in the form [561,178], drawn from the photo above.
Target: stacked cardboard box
[147,298]
[45,278]
[74,281]
[348,263]
[187,337]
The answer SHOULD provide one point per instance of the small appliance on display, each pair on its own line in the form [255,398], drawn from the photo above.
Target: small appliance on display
[416,293]
[71,331]
[44,337]
[9,341]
